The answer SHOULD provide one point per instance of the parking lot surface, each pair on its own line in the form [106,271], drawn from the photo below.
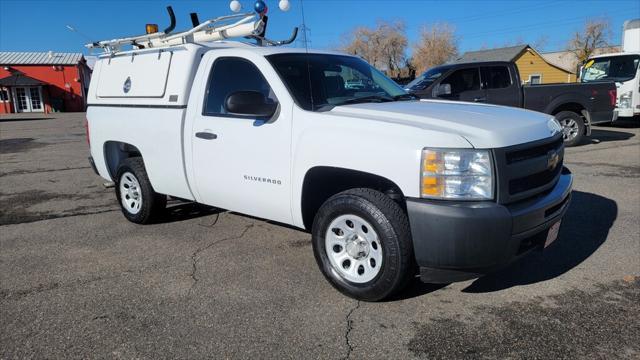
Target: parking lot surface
[79,281]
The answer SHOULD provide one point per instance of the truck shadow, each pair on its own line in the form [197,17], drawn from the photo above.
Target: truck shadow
[181,211]
[627,123]
[608,132]
[584,229]
[599,135]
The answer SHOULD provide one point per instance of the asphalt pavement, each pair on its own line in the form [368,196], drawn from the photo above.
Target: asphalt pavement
[79,281]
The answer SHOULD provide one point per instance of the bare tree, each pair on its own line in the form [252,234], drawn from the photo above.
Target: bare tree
[519,40]
[541,43]
[383,46]
[437,45]
[596,34]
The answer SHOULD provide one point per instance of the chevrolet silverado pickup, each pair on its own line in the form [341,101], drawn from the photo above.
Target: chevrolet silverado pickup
[389,186]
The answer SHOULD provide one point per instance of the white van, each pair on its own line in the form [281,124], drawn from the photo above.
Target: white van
[622,68]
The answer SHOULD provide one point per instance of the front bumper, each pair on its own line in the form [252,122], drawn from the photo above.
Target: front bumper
[626,112]
[456,241]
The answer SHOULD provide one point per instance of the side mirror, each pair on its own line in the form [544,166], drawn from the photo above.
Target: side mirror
[249,103]
[443,89]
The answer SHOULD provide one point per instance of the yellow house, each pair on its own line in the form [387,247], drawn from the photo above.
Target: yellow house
[533,68]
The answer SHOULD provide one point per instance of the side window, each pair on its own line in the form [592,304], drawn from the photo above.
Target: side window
[535,79]
[229,75]
[463,80]
[497,77]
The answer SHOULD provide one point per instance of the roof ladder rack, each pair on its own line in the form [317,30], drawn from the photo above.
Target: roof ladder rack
[247,25]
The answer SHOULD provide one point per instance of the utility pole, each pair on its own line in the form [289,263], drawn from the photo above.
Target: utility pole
[304,40]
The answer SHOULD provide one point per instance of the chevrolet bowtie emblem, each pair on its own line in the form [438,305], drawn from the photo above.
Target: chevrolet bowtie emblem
[553,158]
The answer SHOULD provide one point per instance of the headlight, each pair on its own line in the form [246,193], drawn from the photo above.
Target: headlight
[554,126]
[625,100]
[456,174]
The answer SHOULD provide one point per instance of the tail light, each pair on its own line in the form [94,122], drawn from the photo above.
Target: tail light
[613,94]
[86,129]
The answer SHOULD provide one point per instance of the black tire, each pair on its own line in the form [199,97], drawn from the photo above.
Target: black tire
[392,226]
[569,117]
[152,203]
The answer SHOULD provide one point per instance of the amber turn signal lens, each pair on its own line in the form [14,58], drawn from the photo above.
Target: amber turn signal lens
[152,28]
[431,186]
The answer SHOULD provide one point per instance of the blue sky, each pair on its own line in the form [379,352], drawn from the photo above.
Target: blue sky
[41,25]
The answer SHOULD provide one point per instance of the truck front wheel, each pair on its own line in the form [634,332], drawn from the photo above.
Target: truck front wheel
[573,128]
[139,202]
[362,244]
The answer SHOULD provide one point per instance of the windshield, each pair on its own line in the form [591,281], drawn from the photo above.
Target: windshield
[612,68]
[423,81]
[318,82]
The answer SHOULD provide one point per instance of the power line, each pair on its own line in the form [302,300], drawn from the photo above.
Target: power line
[546,25]
[483,16]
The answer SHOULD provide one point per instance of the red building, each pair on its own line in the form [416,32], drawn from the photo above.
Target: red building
[43,82]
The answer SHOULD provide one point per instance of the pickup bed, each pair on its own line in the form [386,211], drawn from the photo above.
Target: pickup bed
[576,106]
[388,185]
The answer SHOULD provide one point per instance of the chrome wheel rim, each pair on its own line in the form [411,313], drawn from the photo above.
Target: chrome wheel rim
[130,193]
[569,129]
[353,248]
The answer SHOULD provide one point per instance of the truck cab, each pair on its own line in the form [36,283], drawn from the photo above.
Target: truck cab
[495,82]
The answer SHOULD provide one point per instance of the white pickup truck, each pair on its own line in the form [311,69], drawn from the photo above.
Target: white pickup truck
[388,185]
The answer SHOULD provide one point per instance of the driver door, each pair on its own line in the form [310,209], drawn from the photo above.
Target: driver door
[465,86]
[242,163]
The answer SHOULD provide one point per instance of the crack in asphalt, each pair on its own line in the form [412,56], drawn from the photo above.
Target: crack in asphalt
[7,294]
[621,171]
[200,250]
[349,328]
[23,172]
[41,217]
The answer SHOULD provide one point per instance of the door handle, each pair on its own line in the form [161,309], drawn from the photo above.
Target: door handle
[206,135]
[480,99]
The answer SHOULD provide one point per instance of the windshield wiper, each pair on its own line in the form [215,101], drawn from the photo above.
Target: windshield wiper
[365,99]
[406,96]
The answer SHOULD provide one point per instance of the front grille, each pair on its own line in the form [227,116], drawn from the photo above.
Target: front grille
[536,180]
[530,153]
[527,170]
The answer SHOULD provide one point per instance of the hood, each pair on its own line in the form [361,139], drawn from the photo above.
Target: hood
[484,126]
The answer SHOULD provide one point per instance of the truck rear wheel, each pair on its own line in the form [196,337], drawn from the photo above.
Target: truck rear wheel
[362,244]
[573,128]
[138,201]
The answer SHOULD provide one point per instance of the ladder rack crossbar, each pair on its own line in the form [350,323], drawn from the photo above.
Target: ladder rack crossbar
[205,26]
[112,45]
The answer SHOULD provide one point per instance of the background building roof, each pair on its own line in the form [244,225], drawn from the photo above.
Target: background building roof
[569,61]
[499,54]
[39,58]
[20,80]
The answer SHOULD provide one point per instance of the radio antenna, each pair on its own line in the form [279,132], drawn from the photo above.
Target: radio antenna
[73,29]
[306,50]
